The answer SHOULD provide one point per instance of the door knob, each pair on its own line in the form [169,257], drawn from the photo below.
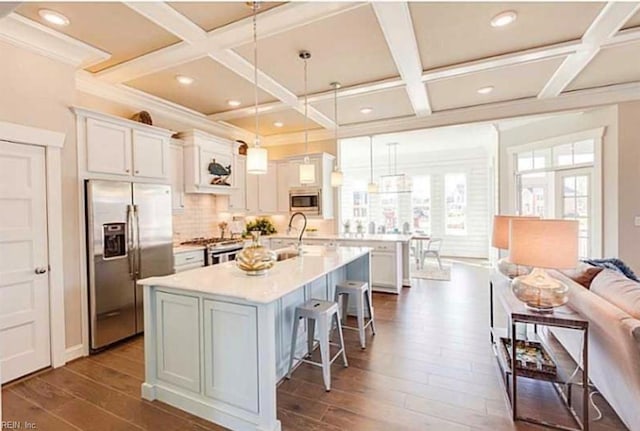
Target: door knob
[41,270]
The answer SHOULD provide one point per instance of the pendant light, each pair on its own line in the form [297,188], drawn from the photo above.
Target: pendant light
[336,175]
[307,169]
[372,187]
[393,181]
[256,155]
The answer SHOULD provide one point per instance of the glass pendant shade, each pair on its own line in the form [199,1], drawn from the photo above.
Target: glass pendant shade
[372,188]
[257,161]
[307,172]
[336,178]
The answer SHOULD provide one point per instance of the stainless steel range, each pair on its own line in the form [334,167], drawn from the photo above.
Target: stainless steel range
[218,250]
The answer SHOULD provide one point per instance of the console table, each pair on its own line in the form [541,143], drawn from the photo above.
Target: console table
[567,373]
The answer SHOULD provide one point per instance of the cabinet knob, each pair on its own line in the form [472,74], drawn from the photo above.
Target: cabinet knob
[126,170]
[137,172]
[40,271]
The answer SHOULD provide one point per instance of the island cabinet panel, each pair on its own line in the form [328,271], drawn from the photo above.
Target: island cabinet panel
[285,314]
[317,289]
[231,354]
[178,346]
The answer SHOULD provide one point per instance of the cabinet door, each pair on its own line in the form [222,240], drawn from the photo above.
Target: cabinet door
[284,184]
[237,199]
[176,177]
[383,269]
[150,155]
[231,354]
[253,193]
[206,157]
[285,318]
[108,148]
[268,190]
[178,340]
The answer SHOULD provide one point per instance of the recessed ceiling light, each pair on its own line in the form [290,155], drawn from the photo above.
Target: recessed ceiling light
[184,80]
[53,17]
[234,103]
[504,18]
[278,124]
[485,90]
[366,110]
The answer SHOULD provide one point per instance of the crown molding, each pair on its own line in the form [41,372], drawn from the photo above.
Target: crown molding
[43,40]
[477,114]
[137,99]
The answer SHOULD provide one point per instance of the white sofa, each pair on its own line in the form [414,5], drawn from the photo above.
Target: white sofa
[612,305]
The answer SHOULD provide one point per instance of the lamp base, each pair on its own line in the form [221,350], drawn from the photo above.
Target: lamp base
[510,269]
[539,291]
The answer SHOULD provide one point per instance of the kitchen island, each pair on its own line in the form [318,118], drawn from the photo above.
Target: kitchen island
[390,255]
[218,341]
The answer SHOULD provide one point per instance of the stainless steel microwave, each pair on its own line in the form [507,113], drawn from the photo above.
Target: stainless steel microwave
[306,201]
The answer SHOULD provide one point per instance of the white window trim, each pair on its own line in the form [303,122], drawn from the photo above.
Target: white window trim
[52,143]
[597,135]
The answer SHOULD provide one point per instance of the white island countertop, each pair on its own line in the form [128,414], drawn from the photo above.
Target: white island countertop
[348,237]
[286,276]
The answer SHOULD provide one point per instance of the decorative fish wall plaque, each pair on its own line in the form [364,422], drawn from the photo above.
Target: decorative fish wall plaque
[220,173]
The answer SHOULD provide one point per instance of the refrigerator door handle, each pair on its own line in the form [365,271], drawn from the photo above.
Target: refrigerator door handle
[130,245]
[138,245]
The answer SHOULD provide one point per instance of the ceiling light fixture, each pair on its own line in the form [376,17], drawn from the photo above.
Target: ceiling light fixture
[366,110]
[336,175]
[307,169]
[278,124]
[53,17]
[234,103]
[485,90]
[257,157]
[504,18]
[184,80]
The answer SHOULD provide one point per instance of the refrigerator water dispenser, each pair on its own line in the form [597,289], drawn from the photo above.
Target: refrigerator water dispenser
[114,240]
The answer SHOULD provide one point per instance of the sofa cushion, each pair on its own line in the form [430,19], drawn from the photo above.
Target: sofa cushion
[583,274]
[618,290]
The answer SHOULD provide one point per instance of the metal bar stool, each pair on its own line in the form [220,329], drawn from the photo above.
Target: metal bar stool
[360,291]
[317,310]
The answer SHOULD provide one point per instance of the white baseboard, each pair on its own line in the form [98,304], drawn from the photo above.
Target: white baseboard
[75,352]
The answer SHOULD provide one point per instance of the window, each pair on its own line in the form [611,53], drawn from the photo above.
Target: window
[421,203]
[360,205]
[455,188]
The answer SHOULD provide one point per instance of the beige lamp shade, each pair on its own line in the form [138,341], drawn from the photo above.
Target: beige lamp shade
[544,243]
[500,237]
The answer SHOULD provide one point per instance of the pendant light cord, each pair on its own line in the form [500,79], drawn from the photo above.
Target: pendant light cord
[255,67]
[306,108]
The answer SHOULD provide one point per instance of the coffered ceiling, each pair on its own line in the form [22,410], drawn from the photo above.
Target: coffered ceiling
[402,60]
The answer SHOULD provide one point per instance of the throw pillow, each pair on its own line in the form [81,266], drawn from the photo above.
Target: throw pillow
[614,264]
[583,274]
[620,291]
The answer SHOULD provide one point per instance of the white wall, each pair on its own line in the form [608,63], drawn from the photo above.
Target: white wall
[562,125]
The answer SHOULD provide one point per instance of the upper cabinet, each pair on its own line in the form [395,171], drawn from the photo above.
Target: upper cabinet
[200,150]
[113,147]
[289,178]
[176,175]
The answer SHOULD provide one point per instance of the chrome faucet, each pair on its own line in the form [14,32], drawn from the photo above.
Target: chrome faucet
[301,231]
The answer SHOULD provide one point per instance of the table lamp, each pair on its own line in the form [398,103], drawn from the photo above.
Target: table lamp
[500,240]
[542,244]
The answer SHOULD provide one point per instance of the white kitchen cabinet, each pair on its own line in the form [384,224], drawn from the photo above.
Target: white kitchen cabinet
[316,161]
[200,149]
[176,175]
[284,181]
[177,320]
[230,354]
[115,148]
[108,147]
[188,259]
[238,196]
[262,191]
[150,155]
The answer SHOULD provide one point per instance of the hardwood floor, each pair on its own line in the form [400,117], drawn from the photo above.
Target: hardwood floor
[430,367]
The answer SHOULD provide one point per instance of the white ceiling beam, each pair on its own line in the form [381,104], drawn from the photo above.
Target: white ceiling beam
[174,22]
[610,19]
[234,114]
[273,21]
[625,36]
[396,24]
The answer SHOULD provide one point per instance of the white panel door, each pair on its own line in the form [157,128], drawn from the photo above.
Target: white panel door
[230,354]
[284,184]
[269,189]
[253,193]
[383,269]
[237,199]
[150,155]
[108,148]
[24,281]
[176,177]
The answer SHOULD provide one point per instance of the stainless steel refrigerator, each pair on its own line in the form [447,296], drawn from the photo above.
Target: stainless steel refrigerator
[129,237]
